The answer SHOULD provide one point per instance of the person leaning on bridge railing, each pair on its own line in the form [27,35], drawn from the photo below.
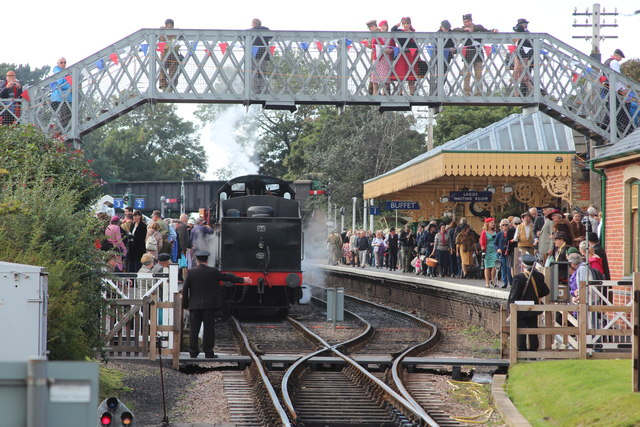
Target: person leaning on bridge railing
[261,56]
[473,54]
[170,59]
[10,89]
[61,96]
[522,61]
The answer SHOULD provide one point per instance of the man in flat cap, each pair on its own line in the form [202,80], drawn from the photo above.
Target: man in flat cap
[163,264]
[202,296]
[528,286]
[473,54]
[448,55]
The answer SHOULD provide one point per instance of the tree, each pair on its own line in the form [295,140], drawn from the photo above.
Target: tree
[150,143]
[46,189]
[631,69]
[454,122]
[349,148]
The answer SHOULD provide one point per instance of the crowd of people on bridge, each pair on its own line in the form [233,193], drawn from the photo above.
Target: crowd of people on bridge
[455,249]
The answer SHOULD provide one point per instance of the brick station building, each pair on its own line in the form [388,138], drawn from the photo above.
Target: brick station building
[619,166]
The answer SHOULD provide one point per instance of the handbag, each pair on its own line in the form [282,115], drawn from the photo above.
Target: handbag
[182,261]
[151,244]
[549,260]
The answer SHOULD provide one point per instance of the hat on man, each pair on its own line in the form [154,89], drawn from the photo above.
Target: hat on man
[202,254]
[552,213]
[561,235]
[528,259]
[371,23]
[593,237]
[526,213]
[618,52]
[446,24]
[164,257]
[549,205]
[522,21]
[467,17]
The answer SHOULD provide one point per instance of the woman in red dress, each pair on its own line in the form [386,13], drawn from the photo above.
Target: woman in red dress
[404,68]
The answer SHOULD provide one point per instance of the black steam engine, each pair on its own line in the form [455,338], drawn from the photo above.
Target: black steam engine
[259,230]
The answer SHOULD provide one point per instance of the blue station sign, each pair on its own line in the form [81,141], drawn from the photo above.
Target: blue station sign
[374,210]
[402,205]
[470,196]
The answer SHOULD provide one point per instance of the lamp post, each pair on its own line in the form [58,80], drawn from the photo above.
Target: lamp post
[163,199]
[353,219]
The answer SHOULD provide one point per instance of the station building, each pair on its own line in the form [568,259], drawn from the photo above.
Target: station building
[619,165]
[532,158]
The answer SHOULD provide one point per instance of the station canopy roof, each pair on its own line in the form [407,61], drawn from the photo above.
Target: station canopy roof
[518,145]
[624,150]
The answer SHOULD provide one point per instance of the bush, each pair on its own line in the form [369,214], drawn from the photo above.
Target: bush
[45,221]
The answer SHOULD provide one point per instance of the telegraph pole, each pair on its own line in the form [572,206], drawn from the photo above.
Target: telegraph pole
[595,25]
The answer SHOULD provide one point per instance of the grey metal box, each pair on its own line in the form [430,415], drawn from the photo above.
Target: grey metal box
[23,311]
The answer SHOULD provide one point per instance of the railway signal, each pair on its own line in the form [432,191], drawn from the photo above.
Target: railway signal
[112,412]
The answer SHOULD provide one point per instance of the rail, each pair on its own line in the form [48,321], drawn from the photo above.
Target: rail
[283,69]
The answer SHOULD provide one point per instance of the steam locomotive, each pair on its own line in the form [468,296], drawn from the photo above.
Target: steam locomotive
[259,235]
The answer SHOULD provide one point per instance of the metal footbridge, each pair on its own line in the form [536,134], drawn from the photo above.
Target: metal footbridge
[282,69]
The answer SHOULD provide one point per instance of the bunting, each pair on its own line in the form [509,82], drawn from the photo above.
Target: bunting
[100,64]
[25,95]
[114,58]
[68,79]
[319,45]
[303,45]
[144,48]
[272,49]
[223,47]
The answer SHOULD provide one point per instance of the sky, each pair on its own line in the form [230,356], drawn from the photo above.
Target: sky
[76,29]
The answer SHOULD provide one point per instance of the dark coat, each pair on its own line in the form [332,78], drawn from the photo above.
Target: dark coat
[518,287]
[201,289]
[138,248]
[392,242]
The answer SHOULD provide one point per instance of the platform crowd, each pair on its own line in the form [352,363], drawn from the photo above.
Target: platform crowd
[569,240]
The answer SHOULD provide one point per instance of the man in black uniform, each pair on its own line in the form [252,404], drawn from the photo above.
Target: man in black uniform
[528,286]
[202,296]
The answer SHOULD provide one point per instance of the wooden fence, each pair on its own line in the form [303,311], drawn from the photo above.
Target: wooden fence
[603,325]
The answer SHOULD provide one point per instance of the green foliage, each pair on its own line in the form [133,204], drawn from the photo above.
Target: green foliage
[111,383]
[349,148]
[45,191]
[454,122]
[575,393]
[24,74]
[150,143]
[631,69]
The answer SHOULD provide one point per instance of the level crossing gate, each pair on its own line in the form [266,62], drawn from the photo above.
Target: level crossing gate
[282,69]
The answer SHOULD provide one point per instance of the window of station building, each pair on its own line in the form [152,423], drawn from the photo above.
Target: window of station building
[517,139]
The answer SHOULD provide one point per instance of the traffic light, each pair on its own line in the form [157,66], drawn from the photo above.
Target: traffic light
[112,412]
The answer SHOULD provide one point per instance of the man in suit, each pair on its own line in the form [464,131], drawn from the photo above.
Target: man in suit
[528,286]
[202,296]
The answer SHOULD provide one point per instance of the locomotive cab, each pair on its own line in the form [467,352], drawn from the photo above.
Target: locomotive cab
[260,235]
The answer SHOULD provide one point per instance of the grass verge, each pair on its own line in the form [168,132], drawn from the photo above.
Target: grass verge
[110,383]
[575,393]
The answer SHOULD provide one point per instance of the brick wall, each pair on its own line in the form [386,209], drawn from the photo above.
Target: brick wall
[614,221]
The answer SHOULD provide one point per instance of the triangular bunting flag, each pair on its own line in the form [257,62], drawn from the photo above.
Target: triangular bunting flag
[319,45]
[303,45]
[487,50]
[223,47]
[254,51]
[161,46]
[144,48]
[25,95]
[272,49]
[194,47]
[68,79]
[412,51]
[512,48]
[114,58]
[365,43]
[431,50]
[100,64]
[331,47]
[349,43]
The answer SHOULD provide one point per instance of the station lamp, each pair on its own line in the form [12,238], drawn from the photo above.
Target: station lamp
[444,199]
[490,188]
[507,188]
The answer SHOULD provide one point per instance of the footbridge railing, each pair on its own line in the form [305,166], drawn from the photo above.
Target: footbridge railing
[281,69]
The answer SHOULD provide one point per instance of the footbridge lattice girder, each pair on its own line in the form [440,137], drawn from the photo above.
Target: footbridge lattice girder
[280,69]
